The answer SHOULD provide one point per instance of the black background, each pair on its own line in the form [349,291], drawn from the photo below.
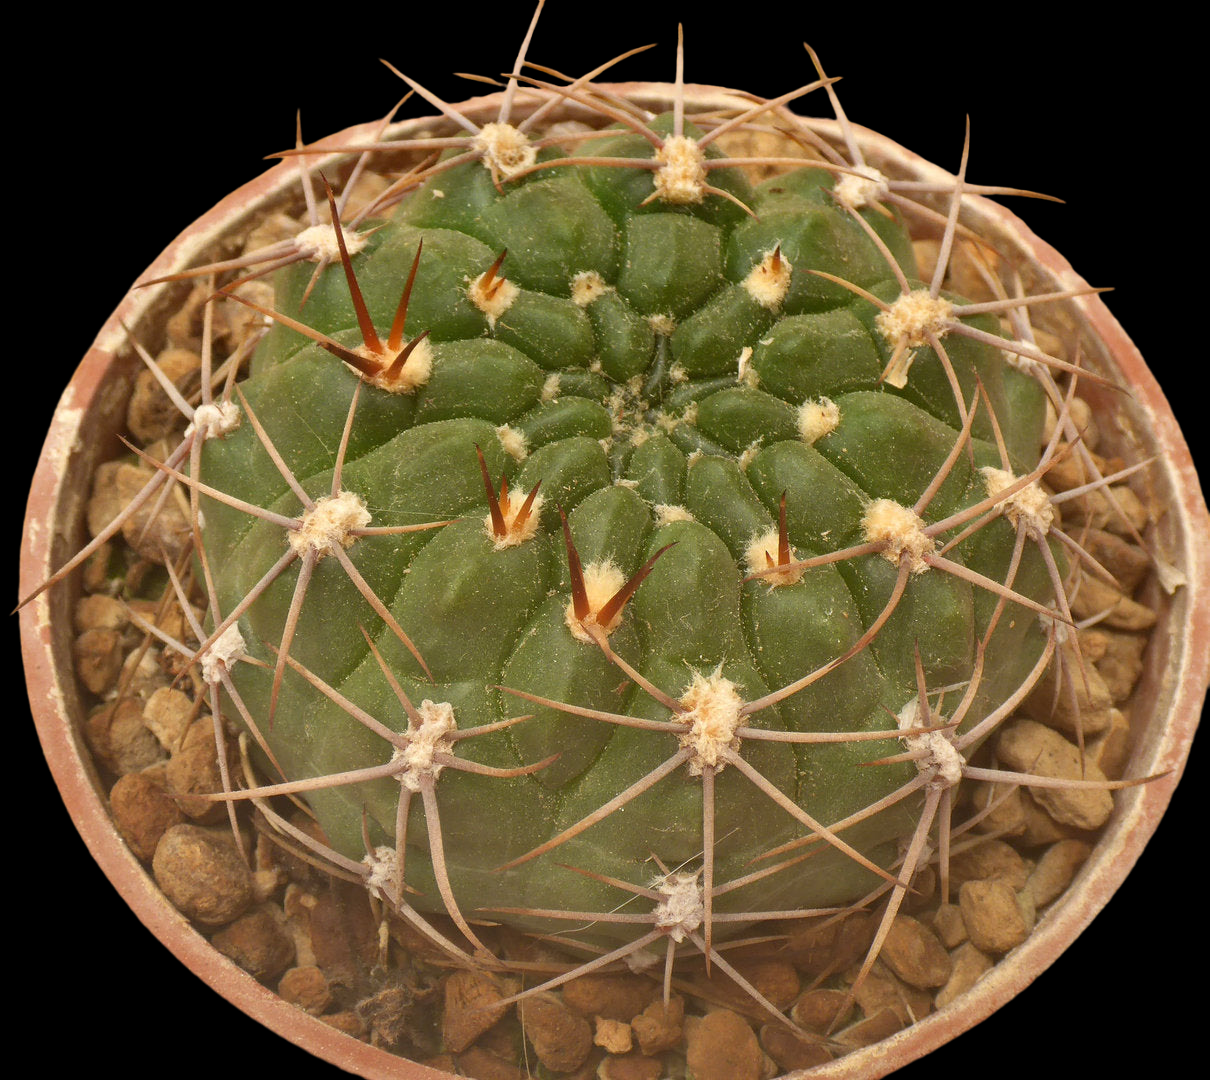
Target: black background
[131,132]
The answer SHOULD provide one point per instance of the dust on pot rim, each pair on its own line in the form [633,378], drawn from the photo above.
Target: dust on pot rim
[90,406]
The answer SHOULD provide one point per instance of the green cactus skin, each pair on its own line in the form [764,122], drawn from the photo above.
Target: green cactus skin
[658,400]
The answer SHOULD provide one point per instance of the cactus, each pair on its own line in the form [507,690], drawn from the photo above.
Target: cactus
[766,502]
[622,531]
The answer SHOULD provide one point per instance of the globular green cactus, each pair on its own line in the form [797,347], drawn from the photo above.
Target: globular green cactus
[610,516]
[611,545]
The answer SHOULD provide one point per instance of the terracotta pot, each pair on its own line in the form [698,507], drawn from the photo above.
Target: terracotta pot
[82,435]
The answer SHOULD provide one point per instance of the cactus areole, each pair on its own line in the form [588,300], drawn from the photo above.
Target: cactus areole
[682,522]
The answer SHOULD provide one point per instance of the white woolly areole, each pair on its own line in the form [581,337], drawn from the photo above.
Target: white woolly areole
[586,287]
[941,762]
[215,419]
[681,178]
[510,509]
[423,742]
[318,243]
[664,325]
[550,389]
[383,882]
[512,440]
[227,648]
[666,513]
[505,149]
[900,530]
[328,523]
[714,714]
[492,295]
[769,280]
[602,580]
[761,555]
[1030,506]
[861,190]
[682,907]
[416,370]
[913,316]
[817,419]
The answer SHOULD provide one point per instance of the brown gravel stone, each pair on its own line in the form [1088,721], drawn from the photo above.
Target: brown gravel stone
[630,1067]
[344,932]
[1029,910]
[659,1027]
[243,322]
[947,922]
[721,1046]
[480,1064]
[816,1010]
[882,990]
[193,772]
[167,617]
[872,1029]
[992,915]
[307,988]
[613,1036]
[989,859]
[1099,598]
[1126,562]
[824,946]
[115,733]
[1110,751]
[1026,746]
[1007,814]
[258,941]
[501,1040]
[1095,509]
[560,1038]
[915,953]
[184,325]
[789,1051]
[142,674]
[1071,471]
[99,613]
[272,229]
[470,1008]
[142,811]
[152,530]
[924,887]
[105,502]
[167,716]
[151,414]
[590,1069]
[775,980]
[969,965]
[1083,701]
[1040,827]
[202,874]
[619,996]
[347,1021]
[1122,664]
[1055,869]
[98,655]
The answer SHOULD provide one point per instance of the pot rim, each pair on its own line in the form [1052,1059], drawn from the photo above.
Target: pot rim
[1137,810]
